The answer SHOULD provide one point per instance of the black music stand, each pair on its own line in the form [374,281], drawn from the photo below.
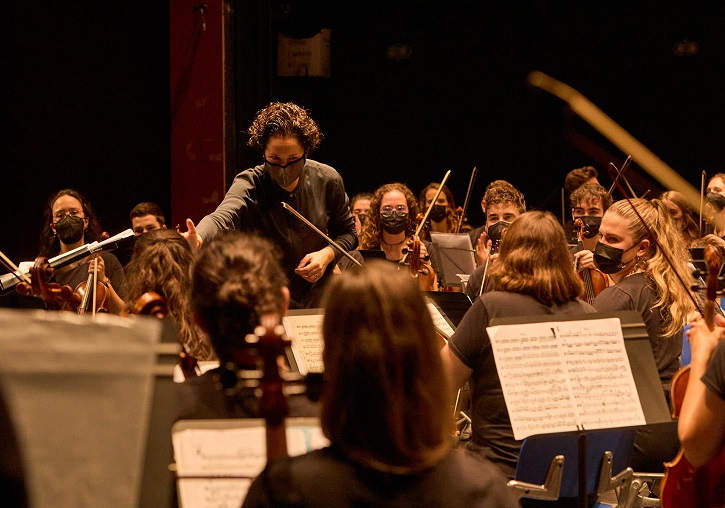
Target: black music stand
[644,372]
[453,254]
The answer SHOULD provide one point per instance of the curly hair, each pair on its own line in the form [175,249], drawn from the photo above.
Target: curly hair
[589,192]
[49,243]
[534,260]
[500,191]
[161,262]
[673,299]
[373,229]
[236,279]
[284,119]
[376,328]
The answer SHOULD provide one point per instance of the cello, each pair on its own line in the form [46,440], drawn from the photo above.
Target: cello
[686,486]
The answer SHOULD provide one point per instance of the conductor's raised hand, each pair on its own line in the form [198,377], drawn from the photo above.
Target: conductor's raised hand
[192,237]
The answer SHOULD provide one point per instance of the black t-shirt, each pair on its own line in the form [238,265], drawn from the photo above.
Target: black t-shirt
[714,377]
[637,293]
[79,273]
[327,478]
[492,435]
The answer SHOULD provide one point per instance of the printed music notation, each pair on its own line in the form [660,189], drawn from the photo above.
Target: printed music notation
[209,450]
[565,376]
[439,321]
[305,332]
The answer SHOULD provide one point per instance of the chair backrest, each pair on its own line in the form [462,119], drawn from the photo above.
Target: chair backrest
[537,452]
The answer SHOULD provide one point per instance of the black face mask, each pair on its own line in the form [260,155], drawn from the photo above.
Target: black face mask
[609,259]
[287,174]
[70,229]
[591,225]
[495,232]
[438,213]
[361,217]
[395,223]
[716,200]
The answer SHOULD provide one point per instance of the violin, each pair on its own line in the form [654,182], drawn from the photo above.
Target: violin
[419,268]
[53,294]
[92,293]
[683,485]
[594,280]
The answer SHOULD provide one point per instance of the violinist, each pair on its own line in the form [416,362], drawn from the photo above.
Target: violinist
[69,222]
[701,426]
[573,180]
[533,275]
[161,262]
[442,217]
[588,204]
[236,279]
[360,206]
[383,410]
[390,222]
[644,281]
[284,134]
[715,212]
[502,203]
[683,215]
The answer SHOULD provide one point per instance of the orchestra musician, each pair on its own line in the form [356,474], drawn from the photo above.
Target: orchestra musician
[644,281]
[69,222]
[284,134]
[145,217]
[716,209]
[502,203]
[360,205]
[532,276]
[390,222]
[236,279]
[442,217]
[588,203]
[161,262]
[383,410]
[701,426]
[683,215]
[573,180]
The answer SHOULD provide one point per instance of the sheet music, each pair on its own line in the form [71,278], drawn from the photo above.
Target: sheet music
[565,376]
[439,321]
[305,332]
[236,450]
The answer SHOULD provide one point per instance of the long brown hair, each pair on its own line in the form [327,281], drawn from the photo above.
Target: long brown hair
[161,262]
[385,392]
[49,243]
[236,278]
[534,260]
[372,230]
[689,228]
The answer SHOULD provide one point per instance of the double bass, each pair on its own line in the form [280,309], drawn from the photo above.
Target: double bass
[686,486]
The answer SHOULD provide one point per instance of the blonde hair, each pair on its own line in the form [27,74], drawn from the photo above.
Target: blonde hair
[673,298]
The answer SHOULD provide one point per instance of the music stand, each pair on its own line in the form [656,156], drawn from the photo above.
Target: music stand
[642,365]
[453,254]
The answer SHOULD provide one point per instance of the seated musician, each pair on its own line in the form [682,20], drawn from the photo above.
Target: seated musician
[236,278]
[533,275]
[644,281]
[383,410]
[701,426]
[360,206]
[146,217]
[69,222]
[390,221]
[161,262]
[573,180]
[684,216]
[442,217]
[588,203]
[502,203]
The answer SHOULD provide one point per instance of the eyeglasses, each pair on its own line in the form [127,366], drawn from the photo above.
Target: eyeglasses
[285,166]
[73,212]
[387,211]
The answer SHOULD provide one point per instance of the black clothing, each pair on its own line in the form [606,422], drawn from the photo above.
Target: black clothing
[493,436]
[653,444]
[473,286]
[198,399]
[714,377]
[254,203]
[637,293]
[328,478]
[79,273]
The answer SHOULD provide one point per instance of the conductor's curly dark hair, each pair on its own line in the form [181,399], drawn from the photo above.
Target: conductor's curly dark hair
[284,119]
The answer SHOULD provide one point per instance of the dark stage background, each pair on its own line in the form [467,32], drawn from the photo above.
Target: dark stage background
[86,95]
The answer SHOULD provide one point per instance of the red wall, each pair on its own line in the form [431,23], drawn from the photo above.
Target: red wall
[197,109]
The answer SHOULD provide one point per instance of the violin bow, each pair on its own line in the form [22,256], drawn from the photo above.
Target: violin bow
[474,172]
[620,174]
[13,267]
[702,199]
[427,212]
[323,235]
